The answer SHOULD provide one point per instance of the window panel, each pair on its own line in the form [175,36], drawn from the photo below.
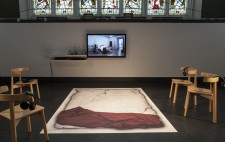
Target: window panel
[156,7]
[42,7]
[88,6]
[64,7]
[178,7]
[110,7]
[132,6]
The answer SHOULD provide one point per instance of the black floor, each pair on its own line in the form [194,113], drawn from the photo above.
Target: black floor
[197,127]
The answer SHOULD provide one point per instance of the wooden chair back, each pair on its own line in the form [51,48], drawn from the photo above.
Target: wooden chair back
[17,72]
[16,75]
[11,98]
[212,79]
[191,72]
[209,75]
[4,89]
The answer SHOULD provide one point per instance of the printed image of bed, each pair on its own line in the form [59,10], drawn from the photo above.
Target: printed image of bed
[104,49]
[108,108]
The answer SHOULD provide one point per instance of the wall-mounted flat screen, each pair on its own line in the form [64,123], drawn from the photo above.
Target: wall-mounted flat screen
[106,45]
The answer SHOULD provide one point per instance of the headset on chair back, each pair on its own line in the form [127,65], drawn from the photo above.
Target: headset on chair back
[185,71]
[223,82]
[31,103]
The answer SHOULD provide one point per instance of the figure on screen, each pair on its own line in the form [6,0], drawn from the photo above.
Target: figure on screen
[132,4]
[95,49]
[87,3]
[64,3]
[178,4]
[155,4]
[43,4]
[109,4]
[58,2]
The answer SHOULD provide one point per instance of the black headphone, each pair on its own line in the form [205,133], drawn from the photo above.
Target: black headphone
[223,82]
[185,71]
[31,104]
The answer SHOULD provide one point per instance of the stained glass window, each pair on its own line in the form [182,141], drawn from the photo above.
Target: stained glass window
[42,7]
[88,6]
[132,6]
[178,7]
[156,7]
[110,6]
[64,7]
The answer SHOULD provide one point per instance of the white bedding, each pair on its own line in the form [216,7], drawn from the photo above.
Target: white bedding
[106,47]
[110,100]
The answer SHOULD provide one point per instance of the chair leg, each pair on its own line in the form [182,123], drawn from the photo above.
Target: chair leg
[12,90]
[210,105]
[186,104]
[175,93]
[29,129]
[44,125]
[38,91]
[214,111]
[195,100]
[171,90]
[31,88]
[21,89]
[13,131]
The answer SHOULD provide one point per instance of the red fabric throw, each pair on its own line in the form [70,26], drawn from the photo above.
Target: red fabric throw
[86,118]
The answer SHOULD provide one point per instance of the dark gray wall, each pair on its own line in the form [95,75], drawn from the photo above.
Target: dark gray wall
[213,8]
[9,9]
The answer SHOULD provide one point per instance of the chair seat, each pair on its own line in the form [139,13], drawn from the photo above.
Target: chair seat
[20,113]
[182,82]
[197,90]
[33,81]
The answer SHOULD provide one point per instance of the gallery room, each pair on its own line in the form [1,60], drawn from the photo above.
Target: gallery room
[112,70]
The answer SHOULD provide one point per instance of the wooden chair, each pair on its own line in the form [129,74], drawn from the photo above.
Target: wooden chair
[15,113]
[17,73]
[179,82]
[210,93]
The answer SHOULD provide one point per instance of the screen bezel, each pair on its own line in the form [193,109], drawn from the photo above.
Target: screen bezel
[125,46]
